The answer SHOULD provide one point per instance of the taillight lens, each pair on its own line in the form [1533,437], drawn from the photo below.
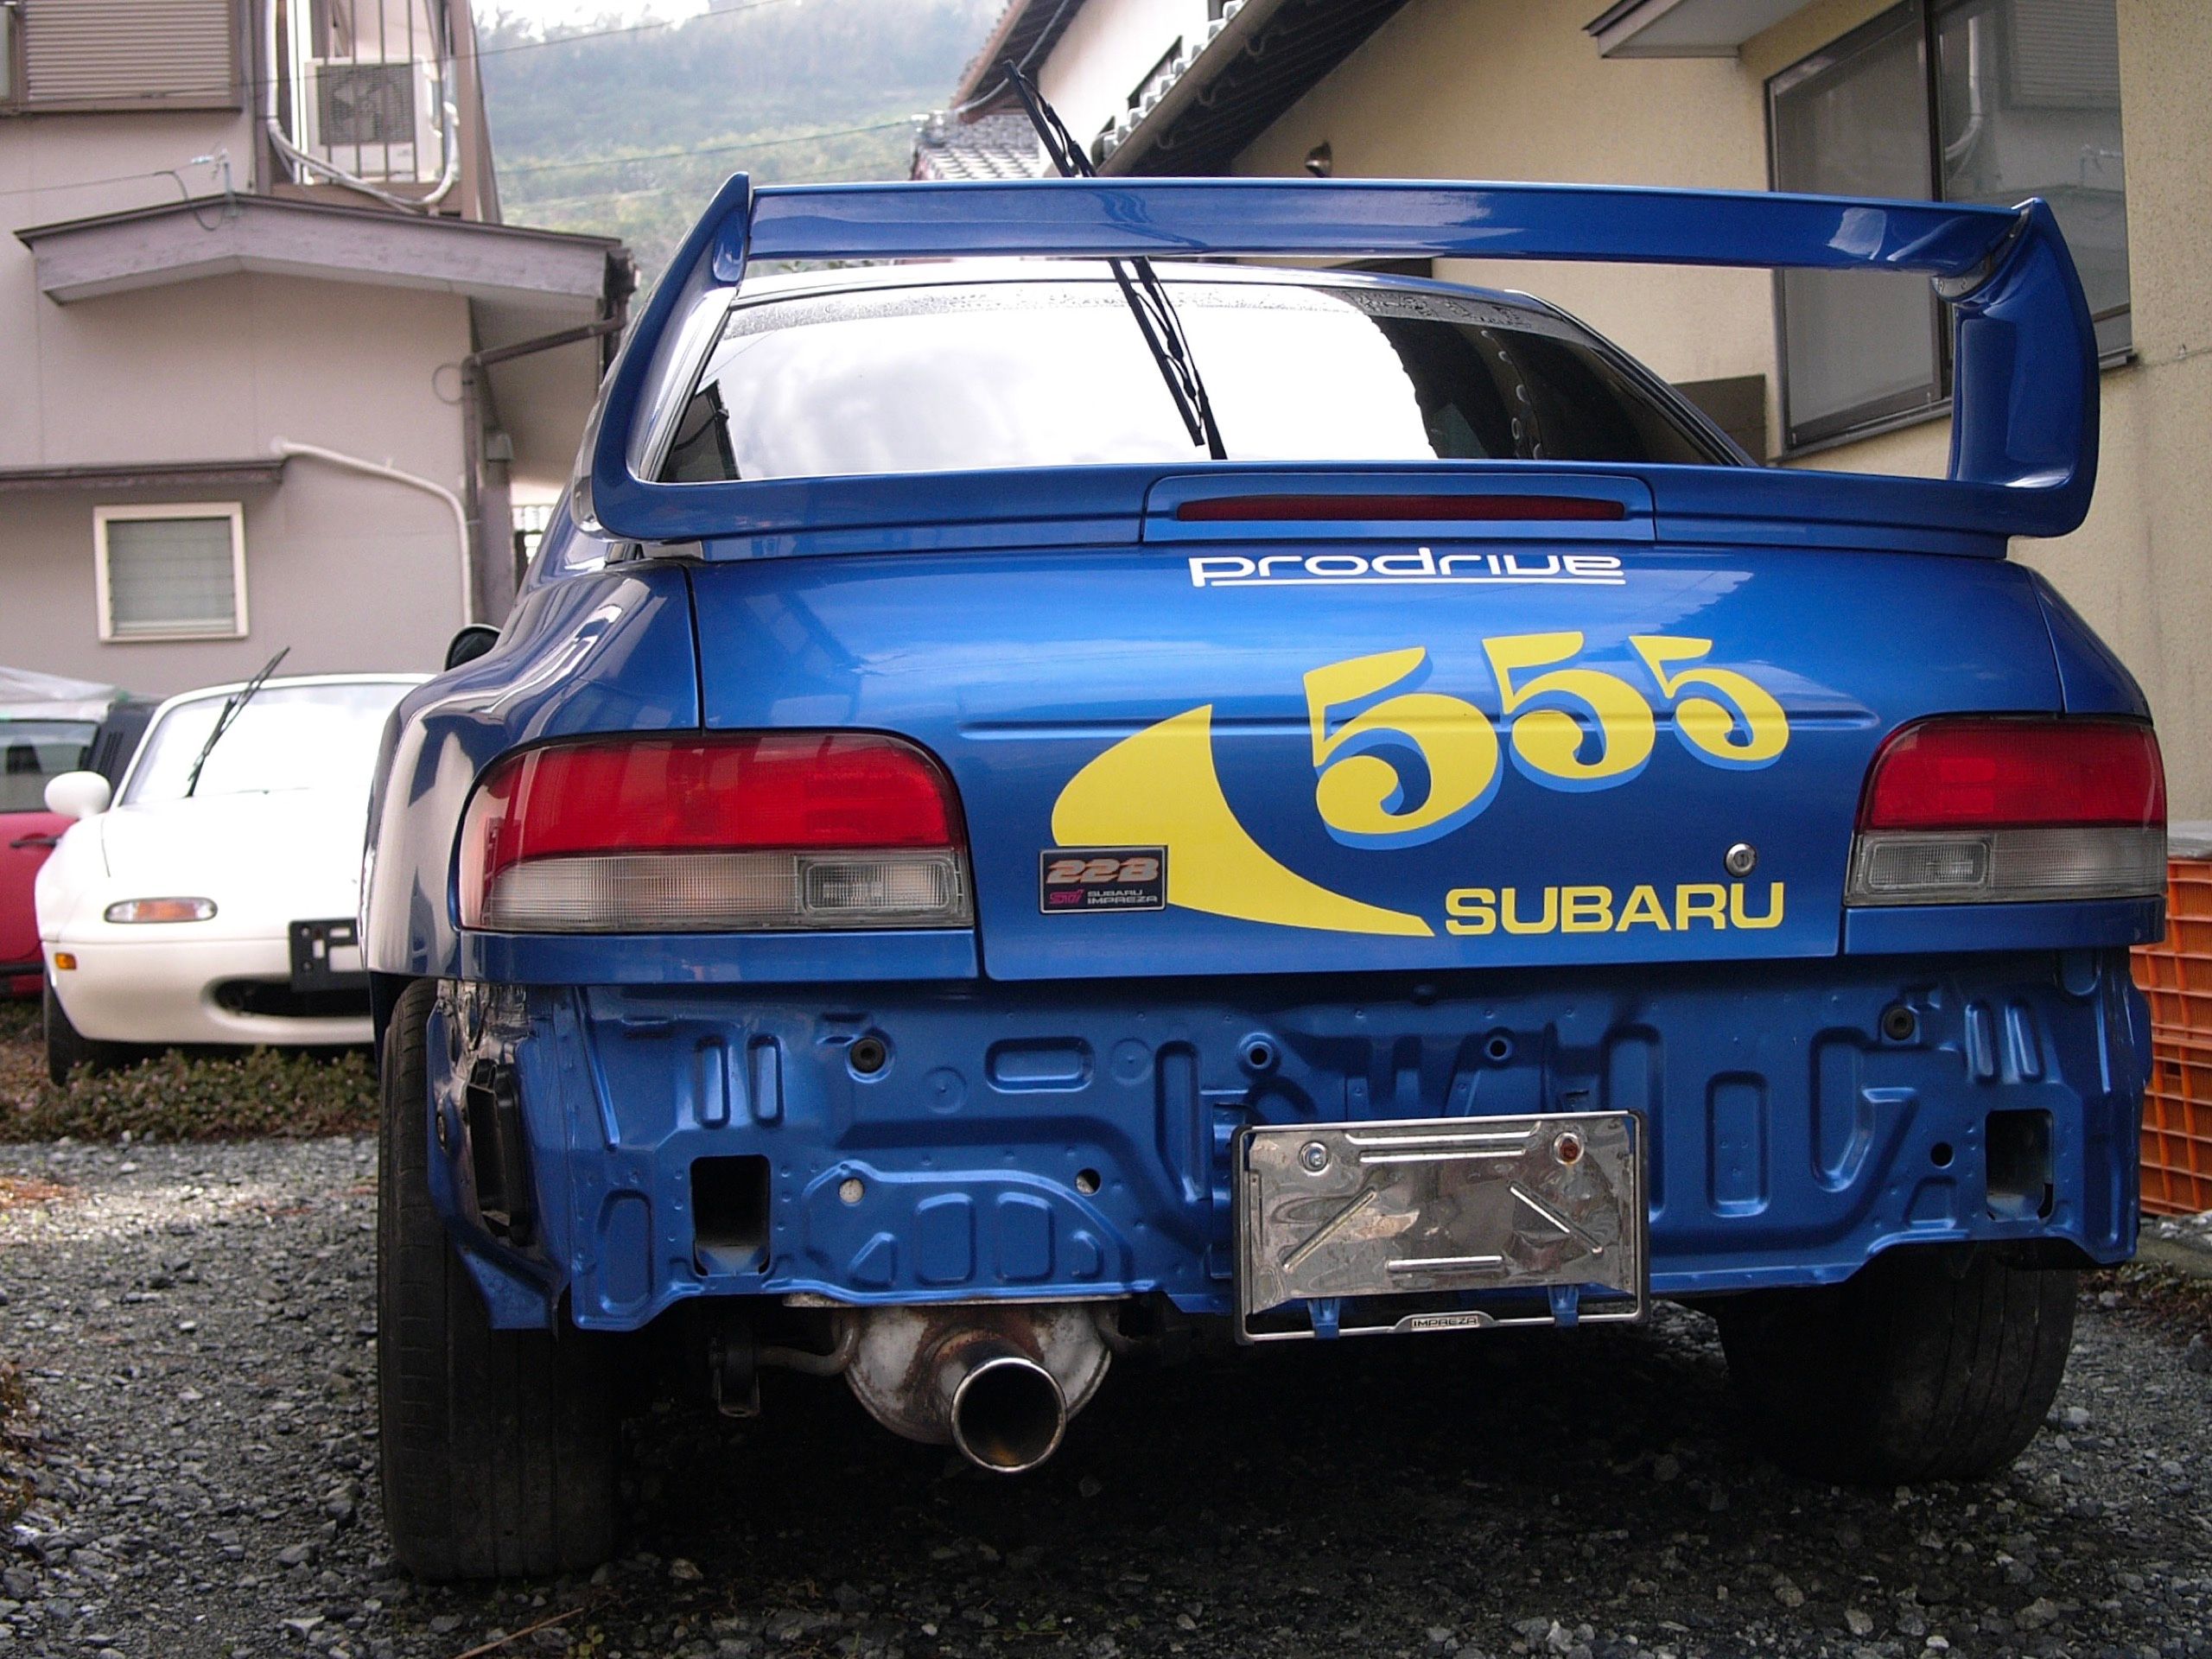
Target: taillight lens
[1987,810]
[749,831]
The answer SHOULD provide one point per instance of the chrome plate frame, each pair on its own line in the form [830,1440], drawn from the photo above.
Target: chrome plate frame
[1371,1225]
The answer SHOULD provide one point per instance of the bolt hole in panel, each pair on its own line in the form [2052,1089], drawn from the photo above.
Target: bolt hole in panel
[1448,1224]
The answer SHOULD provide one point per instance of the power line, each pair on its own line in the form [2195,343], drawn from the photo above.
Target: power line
[704,149]
[87,184]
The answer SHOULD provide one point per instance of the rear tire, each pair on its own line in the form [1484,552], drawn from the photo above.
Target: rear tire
[498,1447]
[67,1048]
[1929,1365]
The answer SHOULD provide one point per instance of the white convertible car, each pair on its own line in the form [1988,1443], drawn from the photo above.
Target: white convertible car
[214,901]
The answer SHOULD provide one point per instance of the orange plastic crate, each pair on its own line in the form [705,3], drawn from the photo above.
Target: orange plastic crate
[2177,977]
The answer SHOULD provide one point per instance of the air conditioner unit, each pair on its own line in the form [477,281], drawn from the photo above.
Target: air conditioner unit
[373,118]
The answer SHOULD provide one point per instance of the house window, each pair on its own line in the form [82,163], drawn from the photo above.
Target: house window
[172,572]
[1957,100]
[117,54]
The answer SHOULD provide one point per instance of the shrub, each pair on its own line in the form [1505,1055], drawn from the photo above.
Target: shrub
[181,1096]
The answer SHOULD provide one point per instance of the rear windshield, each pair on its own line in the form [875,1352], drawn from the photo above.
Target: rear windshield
[32,751]
[1053,373]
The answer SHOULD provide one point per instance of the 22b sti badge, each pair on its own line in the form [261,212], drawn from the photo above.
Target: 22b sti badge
[1073,881]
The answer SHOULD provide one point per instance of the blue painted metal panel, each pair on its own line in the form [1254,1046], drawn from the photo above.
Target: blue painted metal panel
[1790,1140]
[1908,929]
[2024,431]
[2092,678]
[714,958]
[1021,673]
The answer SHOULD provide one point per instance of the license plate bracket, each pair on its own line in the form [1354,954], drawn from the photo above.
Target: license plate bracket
[326,956]
[1361,1228]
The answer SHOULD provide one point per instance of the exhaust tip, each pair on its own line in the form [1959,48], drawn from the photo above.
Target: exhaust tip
[1009,1414]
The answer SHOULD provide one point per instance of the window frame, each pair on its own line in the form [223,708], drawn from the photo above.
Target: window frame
[18,98]
[231,512]
[11,56]
[1872,419]
[1901,409]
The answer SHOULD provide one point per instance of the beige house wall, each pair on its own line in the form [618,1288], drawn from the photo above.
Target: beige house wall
[55,168]
[351,573]
[1515,89]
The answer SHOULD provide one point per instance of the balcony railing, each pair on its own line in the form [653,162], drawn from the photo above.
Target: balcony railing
[365,94]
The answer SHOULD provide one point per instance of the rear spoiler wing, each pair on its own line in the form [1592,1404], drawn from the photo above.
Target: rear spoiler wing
[2024,433]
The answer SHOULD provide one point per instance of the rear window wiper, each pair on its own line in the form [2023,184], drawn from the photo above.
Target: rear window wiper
[1141,287]
[231,707]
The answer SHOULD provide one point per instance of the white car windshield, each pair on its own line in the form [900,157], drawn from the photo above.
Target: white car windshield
[288,737]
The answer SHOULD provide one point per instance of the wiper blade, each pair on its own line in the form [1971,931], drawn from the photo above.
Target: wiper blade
[1140,286]
[231,705]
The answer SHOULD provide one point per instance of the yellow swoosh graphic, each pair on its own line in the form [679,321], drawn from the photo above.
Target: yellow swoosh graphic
[1158,789]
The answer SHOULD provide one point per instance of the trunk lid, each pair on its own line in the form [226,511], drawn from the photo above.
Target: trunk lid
[1419,743]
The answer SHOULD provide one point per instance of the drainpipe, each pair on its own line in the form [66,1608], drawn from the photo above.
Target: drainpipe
[475,398]
[288,449]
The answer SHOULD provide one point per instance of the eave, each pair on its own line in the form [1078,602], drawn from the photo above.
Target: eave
[1684,28]
[1253,66]
[254,472]
[186,241]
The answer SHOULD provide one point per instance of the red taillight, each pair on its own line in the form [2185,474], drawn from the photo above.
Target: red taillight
[1980,810]
[1399,509]
[1987,774]
[759,830]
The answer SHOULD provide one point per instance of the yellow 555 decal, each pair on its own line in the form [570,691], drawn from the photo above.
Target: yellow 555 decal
[1566,727]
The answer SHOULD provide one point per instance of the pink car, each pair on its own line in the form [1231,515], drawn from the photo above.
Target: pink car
[38,740]
[31,750]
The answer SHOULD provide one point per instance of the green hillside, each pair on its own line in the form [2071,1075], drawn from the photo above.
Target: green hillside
[582,121]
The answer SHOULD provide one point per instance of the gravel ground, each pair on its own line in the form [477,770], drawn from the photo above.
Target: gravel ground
[195,1324]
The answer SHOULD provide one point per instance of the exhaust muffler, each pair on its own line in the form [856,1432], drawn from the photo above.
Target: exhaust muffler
[998,1382]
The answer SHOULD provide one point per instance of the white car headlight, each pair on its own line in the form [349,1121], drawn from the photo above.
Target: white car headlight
[161,910]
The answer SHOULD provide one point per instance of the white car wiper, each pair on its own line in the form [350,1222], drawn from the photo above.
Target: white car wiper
[1141,287]
[231,705]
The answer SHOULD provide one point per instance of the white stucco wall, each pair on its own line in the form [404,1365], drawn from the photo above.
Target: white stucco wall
[1106,50]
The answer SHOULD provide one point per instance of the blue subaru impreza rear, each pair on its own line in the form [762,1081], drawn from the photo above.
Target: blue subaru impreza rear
[1031,805]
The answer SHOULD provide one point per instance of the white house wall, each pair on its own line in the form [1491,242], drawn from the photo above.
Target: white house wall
[1106,50]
